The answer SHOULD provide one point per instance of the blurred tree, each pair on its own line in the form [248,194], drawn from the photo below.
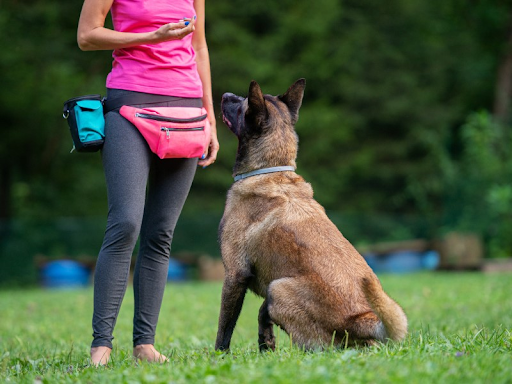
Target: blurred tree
[479,192]
[41,66]
[503,92]
[389,88]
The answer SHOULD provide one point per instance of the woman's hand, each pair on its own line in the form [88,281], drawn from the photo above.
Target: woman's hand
[174,31]
[213,148]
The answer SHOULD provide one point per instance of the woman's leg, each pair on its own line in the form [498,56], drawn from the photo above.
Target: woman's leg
[169,185]
[126,159]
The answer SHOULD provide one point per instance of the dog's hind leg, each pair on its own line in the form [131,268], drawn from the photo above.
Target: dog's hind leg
[298,306]
[310,313]
[266,339]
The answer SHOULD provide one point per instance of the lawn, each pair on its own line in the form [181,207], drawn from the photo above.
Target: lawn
[460,332]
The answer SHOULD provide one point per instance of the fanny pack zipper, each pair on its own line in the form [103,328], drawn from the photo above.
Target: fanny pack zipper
[170,119]
[169,130]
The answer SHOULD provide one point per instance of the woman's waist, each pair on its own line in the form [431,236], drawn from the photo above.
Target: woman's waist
[155,100]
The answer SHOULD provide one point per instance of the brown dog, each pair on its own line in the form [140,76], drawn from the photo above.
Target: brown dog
[277,241]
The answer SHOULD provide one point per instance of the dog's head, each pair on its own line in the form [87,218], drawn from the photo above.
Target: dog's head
[264,125]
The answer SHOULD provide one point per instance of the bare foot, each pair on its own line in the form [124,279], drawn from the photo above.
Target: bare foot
[100,355]
[147,352]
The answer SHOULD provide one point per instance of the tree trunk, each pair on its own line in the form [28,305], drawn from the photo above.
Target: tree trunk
[5,192]
[503,90]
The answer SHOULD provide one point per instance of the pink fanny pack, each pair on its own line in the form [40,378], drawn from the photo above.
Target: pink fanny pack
[172,132]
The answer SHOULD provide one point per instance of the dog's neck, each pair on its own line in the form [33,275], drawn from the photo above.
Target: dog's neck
[262,171]
[278,147]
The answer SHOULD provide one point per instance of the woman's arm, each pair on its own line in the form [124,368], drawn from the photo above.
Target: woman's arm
[92,34]
[203,67]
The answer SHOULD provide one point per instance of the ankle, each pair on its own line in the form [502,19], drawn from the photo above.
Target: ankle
[100,355]
[147,352]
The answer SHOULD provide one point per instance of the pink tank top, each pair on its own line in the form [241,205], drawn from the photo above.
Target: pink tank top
[167,68]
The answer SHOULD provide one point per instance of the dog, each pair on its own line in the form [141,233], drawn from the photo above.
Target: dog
[277,241]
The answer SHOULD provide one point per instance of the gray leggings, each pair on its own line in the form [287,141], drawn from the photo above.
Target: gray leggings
[129,167]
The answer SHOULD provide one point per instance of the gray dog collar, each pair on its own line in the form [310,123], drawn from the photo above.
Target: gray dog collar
[263,171]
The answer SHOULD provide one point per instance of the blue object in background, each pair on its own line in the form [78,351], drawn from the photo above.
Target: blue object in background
[403,261]
[430,260]
[373,261]
[176,271]
[64,274]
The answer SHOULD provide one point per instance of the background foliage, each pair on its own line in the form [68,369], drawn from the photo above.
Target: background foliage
[398,134]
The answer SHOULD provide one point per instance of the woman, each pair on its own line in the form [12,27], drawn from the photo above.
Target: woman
[159,49]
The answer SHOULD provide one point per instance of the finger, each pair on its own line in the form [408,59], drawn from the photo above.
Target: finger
[214,151]
[206,163]
[180,33]
[211,157]
[188,27]
[204,159]
[209,160]
[179,25]
[205,154]
[190,21]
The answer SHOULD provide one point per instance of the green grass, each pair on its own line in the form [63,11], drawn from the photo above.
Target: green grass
[460,332]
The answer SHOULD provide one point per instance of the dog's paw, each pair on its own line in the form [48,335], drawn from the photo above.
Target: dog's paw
[370,343]
[266,345]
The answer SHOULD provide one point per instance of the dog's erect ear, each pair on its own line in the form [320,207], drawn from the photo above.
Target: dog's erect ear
[293,98]
[257,109]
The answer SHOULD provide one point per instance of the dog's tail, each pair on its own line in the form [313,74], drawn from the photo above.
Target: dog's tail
[389,312]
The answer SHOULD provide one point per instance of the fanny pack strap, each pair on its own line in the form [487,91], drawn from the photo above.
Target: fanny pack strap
[134,99]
